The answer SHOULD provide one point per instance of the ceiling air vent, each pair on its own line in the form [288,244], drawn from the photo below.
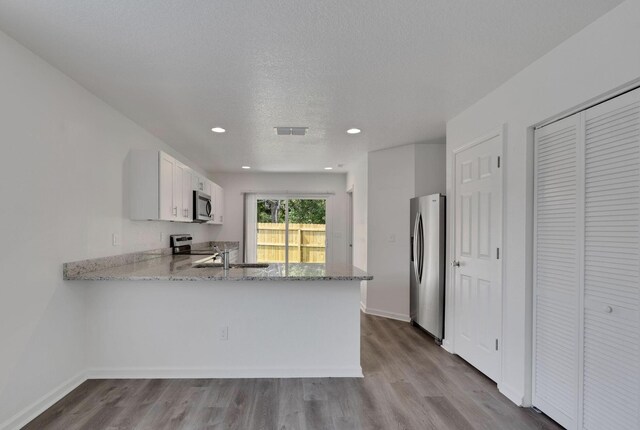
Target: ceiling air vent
[291,131]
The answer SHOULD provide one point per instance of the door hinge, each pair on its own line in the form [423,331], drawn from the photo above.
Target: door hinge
[498,161]
[498,253]
[496,344]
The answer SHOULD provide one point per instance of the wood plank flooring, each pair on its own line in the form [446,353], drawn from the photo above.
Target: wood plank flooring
[409,383]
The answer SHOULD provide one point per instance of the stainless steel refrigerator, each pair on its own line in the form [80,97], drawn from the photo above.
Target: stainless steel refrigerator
[428,263]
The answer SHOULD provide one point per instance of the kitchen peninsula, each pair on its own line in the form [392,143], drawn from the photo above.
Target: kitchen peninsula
[158,315]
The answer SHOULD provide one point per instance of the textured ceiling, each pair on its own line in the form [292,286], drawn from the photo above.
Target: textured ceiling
[397,69]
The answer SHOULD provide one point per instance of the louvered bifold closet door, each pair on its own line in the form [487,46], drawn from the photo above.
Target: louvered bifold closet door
[556,290]
[611,375]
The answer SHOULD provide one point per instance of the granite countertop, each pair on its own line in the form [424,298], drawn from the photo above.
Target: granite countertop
[162,267]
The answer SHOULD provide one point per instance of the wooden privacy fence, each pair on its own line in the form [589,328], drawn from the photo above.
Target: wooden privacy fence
[307,243]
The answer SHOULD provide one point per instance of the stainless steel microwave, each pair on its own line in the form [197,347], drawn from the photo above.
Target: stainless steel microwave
[202,208]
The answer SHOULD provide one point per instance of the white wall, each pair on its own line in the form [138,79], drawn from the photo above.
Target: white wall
[391,186]
[63,195]
[235,184]
[357,183]
[593,62]
[430,168]
[390,178]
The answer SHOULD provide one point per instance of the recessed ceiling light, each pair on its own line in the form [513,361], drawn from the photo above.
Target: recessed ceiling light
[328,168]
[246,167]
[354,131]
[218,130]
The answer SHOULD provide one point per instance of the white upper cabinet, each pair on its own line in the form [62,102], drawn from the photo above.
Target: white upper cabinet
[144,204]
[219,205]
[161,188]
[178,174]
[198,182]
[217,201]
[187,194]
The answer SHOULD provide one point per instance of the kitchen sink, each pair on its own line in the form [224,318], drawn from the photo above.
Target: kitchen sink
[232,265]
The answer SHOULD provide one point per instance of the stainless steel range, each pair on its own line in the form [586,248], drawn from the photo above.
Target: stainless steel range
[182,244]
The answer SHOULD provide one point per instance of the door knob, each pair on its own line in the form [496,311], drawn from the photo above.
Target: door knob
[455,263]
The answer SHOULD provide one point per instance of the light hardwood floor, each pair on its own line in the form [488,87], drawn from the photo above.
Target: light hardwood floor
[409,383]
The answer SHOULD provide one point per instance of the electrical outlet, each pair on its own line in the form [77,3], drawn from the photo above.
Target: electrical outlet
[162,237]
[224,333]
[115,239]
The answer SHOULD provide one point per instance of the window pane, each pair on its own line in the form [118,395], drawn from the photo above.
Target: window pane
[271,231]
[307,230]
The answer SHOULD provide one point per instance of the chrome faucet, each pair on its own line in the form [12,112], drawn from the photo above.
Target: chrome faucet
[225,259]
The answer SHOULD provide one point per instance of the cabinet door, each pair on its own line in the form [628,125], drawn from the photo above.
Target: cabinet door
[219,208]
[197,181]
[178,174]
[187,195]
[556,348]
[210,188]
[165,200]
[611,389]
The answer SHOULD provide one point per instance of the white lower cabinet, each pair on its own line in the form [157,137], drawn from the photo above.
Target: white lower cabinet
[161,188]
[586,368]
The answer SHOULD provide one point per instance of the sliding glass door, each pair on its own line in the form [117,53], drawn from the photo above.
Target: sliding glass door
[271,230]
[289,229]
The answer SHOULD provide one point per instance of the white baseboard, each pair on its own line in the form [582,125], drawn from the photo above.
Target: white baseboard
[447,346]
[221,373]
[385,314]
[511,394]
[23,417]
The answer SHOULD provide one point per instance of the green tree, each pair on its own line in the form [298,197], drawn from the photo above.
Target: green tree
[271,211]
[307,211]
[301,211]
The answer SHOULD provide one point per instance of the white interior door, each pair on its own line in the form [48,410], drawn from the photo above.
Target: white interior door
[477,265]
[350,228]
[611,374]
[586,349]
[558,214]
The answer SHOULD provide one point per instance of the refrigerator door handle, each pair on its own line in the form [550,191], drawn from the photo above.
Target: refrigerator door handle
[414,250]
[420,247]
[411,248]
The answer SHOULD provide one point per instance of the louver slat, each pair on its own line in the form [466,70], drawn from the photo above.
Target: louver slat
[556,271]
[612,265]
